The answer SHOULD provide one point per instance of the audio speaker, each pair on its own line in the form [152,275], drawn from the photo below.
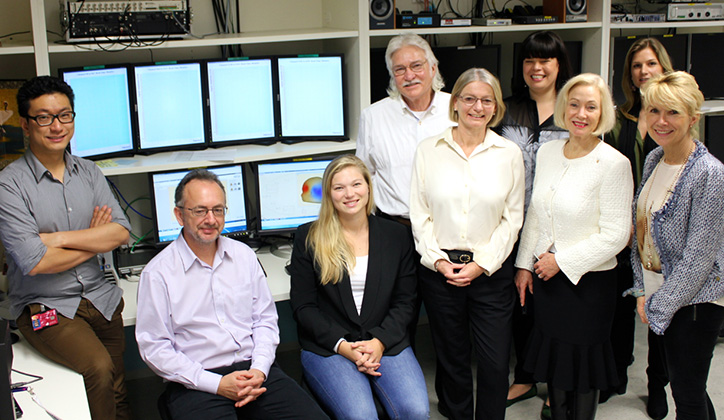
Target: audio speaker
[566,10]
[382,14]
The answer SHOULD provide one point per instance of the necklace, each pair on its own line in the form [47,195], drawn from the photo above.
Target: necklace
[649,206]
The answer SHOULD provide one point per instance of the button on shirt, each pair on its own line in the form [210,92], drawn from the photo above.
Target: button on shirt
[193,317]
[465,203]
[34,202]
[389,133]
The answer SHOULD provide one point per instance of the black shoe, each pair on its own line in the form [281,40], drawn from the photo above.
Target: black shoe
[657,407]
[545,412]
[532,392]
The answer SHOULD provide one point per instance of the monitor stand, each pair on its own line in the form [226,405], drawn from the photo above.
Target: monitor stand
[282,249]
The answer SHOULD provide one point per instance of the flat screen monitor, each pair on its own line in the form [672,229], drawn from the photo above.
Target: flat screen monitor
[103,123]
[163,188]
[713,127]
[169,104]
[290,193]
[676,46]
[453,61]
[707,59]
[241,101]
[311,98]
[573,48]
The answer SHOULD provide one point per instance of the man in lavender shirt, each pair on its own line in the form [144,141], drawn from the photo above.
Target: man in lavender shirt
[207,322]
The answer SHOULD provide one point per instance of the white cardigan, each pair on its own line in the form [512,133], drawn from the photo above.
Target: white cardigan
[581,208]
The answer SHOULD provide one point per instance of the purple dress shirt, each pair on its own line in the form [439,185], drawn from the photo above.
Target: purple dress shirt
[193,317]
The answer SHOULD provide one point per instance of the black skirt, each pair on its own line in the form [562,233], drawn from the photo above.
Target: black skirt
[570,345]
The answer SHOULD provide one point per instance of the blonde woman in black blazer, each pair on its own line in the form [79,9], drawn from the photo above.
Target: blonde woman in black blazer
[353,293]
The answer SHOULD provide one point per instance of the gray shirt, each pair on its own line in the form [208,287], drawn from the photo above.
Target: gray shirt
[32,201]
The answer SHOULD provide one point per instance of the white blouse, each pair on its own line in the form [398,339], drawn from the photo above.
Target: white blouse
[465,203]
[579,207]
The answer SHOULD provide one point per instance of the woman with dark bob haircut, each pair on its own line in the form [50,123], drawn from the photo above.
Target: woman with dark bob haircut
[544,68]
[678,244]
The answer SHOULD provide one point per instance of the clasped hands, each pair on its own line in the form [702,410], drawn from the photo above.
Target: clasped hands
[459,275]
[242,386]
[365,354]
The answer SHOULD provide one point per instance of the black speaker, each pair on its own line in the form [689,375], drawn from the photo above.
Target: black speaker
[382,14]
[566,10]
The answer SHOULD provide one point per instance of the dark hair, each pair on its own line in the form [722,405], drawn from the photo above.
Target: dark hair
[39,86]
[543,44]
[200,174]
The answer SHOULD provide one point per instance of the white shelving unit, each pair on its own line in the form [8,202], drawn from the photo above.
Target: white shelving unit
[288,27]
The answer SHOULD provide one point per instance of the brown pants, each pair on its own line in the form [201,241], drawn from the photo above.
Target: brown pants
[91,346]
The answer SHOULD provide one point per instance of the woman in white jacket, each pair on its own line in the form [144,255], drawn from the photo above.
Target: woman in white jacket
[577,222]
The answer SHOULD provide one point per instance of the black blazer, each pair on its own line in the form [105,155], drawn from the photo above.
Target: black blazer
[324,314]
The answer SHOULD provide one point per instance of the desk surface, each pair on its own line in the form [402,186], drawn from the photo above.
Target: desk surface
[277,278]
[61,391]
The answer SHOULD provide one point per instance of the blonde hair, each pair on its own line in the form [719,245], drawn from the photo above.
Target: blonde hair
[677,91]
[332,252]
[478,75]
[630,91]
[411,40]
[608,113]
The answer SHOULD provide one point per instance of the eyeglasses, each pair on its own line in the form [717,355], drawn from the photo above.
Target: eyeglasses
[416,67]
[471,100]
[219,212]
[44,120]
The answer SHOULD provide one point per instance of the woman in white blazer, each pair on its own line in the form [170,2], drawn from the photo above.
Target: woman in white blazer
[578,220]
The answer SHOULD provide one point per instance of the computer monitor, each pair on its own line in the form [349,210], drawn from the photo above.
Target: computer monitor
[169,104]
[289,193]
[103,123]
[707,59]
[311,98]
[241,101]
[454,61]
[713,127]
[163,188]
[676,46]
[7,406]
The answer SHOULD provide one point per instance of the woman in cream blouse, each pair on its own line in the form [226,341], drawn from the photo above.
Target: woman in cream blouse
[466,209]
[578,220]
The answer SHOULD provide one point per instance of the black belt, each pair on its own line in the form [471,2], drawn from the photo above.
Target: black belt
[459,257]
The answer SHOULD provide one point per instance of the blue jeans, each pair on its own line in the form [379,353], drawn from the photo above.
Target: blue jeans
[347,392]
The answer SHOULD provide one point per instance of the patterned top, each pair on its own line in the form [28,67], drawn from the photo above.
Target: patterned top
[688,233]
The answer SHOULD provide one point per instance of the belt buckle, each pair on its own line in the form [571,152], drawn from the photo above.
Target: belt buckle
[464,258]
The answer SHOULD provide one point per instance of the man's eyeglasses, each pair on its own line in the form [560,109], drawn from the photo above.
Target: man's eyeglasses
[219,212]
[416,67]
[44,120]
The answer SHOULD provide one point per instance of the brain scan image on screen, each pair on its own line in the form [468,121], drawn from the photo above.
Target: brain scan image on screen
[312,190]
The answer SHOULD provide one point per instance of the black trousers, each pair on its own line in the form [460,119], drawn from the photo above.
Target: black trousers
[484,308]
[687,348]
[283,399]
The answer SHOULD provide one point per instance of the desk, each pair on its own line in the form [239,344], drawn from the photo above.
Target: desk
[61,391]
[277,278]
